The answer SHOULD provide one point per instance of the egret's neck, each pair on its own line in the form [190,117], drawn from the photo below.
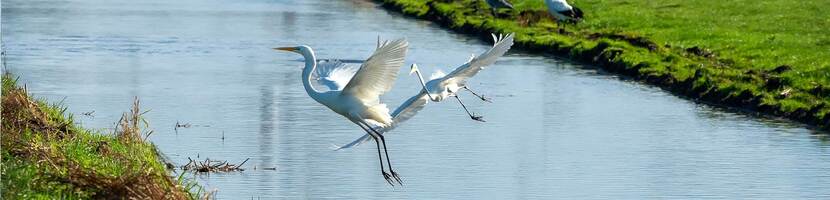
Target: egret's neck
[421,78]
[310,66]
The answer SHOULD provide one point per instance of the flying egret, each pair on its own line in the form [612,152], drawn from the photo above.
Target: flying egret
[496,4]
[404,112]
[443,86]
[357,97]
[563,12]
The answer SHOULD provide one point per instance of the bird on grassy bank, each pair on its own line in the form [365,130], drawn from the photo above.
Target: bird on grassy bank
[357,96]
[441,86]
[496,4]
[563,12]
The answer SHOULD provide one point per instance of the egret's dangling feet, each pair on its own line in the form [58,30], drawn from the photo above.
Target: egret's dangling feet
[383,172]
[389,179]
[477,118]
[398,178]
[385,151]
[379,139]
[472,116]
[479,96]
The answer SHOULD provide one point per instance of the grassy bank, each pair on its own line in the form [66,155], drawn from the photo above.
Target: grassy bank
[766,56]
[46,156]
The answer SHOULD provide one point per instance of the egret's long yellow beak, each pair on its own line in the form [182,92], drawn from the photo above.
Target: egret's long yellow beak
[286,48]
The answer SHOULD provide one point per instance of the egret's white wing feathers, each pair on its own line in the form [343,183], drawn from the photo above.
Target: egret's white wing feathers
[358,141]
[407,110]
[404,112]
[334,74]
[437,74]
[377,75]
[471,68]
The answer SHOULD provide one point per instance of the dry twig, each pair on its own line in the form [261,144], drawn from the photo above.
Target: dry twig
[212,166]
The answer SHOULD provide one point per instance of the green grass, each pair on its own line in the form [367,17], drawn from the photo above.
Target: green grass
[46,156]
[752,34]
[724,52]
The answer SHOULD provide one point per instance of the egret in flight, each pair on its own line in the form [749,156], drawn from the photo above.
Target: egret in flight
[357,96]
[563,12]
[443,86]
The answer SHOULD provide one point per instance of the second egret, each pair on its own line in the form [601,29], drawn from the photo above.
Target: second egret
[442,86]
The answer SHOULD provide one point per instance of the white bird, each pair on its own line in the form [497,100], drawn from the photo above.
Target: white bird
[496,4]
[563,12]
[443,86]
[357,97]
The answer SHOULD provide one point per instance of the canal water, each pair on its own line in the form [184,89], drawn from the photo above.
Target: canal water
[555,129]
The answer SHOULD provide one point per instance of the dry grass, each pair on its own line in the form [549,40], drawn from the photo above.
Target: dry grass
[209,165]
[44,155]
[131,124]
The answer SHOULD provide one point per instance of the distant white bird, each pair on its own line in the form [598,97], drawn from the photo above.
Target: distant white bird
[443,86]
[496,4]
[563,12]
[355,94]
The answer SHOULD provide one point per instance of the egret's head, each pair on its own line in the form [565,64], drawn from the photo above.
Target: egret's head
[413,68]
[297,49]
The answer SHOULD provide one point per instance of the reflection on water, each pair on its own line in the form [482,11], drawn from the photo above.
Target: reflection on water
[555,129]
[266,120]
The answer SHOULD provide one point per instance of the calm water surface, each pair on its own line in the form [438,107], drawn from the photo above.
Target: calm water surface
[555,129]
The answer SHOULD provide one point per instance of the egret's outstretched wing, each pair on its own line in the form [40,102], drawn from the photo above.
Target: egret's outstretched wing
[407,110]
[377,75]
[404,112]
[347,61]
[358,141]
[334,74]
[471,68]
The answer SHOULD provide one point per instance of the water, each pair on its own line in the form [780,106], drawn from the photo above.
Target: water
[555,130]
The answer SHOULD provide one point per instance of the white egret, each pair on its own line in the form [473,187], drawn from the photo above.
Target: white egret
[443,86]
[357,97]
[496,4]
[563,12]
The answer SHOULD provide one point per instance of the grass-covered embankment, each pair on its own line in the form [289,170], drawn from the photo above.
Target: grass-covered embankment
[767,56]
[46,156]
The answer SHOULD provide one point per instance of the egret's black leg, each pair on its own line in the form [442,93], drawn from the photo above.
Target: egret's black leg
[386,151]
[380,157]
[472,116]
[479,96]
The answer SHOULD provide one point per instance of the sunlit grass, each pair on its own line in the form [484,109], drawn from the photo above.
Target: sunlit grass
[728,52]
